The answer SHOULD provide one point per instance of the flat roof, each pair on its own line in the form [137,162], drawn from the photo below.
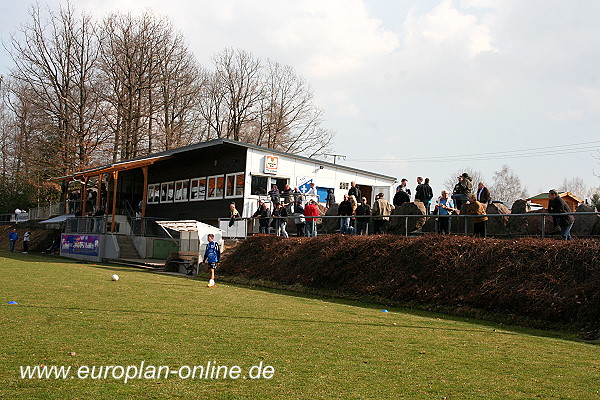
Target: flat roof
[152,158]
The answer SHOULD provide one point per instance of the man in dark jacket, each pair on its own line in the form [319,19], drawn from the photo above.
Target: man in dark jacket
[483,194]
[363,214]
[557,205]
[345,211]
[424,193]
[400,197]
[264,215]
[354,190]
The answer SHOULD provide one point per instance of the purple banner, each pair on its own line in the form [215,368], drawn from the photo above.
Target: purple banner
[87,245]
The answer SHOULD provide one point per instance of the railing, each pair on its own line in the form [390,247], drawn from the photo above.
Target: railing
[149,228]
[89,225]
[527,224]
[46,212]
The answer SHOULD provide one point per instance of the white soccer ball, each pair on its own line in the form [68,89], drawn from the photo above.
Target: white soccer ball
[115,277]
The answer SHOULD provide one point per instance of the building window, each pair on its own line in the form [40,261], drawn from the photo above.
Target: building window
[235,185]
[181,190]
[216,187]
[164,189]
[240,183]
[171,191]
[259,185]
[153,193]
[198,189]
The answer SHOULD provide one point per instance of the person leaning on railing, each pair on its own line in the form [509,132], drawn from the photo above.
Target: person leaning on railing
[443,209]
[556,205]
[476,208]
[310,212]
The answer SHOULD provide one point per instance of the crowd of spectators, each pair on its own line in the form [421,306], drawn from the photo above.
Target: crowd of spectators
[355,214]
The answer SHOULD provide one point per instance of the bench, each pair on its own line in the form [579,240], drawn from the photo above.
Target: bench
[186,259]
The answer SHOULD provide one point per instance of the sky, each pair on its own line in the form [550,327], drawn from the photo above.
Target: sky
[417,87]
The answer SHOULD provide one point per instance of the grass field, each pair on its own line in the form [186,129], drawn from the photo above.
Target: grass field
[72,314]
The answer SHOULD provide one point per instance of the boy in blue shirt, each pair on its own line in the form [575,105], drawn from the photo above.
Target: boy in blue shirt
[13,236]
[212,254]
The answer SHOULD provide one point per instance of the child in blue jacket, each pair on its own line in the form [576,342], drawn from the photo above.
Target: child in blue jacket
[212,255]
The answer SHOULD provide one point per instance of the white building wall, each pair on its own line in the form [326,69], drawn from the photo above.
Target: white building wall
[324,175]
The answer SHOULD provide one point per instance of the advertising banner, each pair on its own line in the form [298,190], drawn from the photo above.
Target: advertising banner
[85,245]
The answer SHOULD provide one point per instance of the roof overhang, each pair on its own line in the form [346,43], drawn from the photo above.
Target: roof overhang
[58,219]
[107,169]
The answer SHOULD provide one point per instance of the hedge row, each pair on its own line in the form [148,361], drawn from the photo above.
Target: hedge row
[545,279]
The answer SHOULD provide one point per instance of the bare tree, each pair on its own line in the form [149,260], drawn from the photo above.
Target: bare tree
[213,105]
[264,103]
[288,118]
[54,65]
[178,85]
[153,85]
[452,180]
[507,186]
[576,186]
[238,73]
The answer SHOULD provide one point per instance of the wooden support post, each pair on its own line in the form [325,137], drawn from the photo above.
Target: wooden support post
[145,191]
[99,193]
[115,175]
[84,196]
[144,200]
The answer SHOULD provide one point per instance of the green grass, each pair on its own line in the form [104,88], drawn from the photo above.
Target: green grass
[318,348]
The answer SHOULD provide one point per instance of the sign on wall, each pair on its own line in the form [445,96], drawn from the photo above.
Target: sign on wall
[271,164]
[303,183]
[86,245]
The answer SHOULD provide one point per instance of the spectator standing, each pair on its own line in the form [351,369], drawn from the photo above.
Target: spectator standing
[234,214]
[400,197]
[345,211]
[299,219]
[13,236]
[287,194]
[363,213]
[330,199]
[312,191]
[26,237]
[483,194]
[381,211]
[444,208]
[419,195]
[274,193]
[556,205]
[280,216]
[476,208]
[354,190]
[428,192]
[311,211]
[352,228]
[264,215]
[404,187]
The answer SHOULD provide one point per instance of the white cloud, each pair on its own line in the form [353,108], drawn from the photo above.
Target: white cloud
[446,29]
[334,37]
[566,115]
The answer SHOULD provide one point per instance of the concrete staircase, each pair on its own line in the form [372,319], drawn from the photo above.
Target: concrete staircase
[126,247]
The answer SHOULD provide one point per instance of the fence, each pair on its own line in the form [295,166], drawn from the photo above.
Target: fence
[528,224]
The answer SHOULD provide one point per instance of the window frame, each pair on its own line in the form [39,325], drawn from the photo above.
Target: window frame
[216,178]
[182,182]
[235,176]
[201,195]
[152,189]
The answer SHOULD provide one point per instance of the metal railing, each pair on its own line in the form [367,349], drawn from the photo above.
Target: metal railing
[91,225]
[526,224]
